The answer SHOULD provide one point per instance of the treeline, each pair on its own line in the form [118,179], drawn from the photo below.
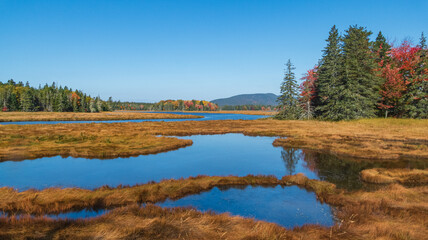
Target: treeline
[249,107]
[185,105]
[168,105]
[19,97]
[358,78]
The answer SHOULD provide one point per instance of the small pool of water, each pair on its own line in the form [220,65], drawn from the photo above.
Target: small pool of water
[206,117]
[287,206]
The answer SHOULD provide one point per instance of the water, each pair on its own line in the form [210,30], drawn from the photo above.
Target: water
[221,155]
[286,206]
[206,116]
[213,155]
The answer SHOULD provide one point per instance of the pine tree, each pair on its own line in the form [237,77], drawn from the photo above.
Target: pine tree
[288,100]
[329,76]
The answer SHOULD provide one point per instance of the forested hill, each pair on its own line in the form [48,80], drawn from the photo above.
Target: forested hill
[266,99]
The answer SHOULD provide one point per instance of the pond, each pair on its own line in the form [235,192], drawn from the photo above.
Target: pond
[287,206]
[212,155]
[206,117]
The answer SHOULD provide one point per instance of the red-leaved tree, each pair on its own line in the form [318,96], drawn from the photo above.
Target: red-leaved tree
[308,91]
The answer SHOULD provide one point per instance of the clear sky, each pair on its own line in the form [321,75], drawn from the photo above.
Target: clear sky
[182,49]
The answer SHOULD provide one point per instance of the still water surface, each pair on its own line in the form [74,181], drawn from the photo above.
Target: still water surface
[286,206]
[213,155]
[222,155]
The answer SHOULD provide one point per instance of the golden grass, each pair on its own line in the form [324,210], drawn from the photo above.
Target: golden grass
[247,112]
[403,176]
[84,144]
[393,212]
[56,200]
[153,222]
[77,116]
[388,139]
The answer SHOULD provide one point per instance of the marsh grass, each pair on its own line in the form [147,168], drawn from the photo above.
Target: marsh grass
[390,139]
[393,212]
[403,176]
[77,116]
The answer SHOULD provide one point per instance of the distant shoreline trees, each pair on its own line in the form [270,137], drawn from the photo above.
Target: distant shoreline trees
[19,97]
[357,78]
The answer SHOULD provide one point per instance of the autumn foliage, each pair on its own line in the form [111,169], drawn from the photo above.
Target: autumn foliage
[403,74]
[185,105]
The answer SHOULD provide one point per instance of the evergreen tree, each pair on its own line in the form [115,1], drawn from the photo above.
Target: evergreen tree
[381,48]
[329,77]
[416,97]
[288,100]
[359,90]
[423,42]
[27,100]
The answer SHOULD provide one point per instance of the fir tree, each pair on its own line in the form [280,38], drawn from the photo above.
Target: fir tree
[423,42]
[329,76]
[359,90]
[27,100]
[381,48]
[416,98]
[288,100]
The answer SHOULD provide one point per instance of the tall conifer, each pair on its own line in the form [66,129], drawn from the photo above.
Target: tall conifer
[329,75]
[288,100]
[359,86]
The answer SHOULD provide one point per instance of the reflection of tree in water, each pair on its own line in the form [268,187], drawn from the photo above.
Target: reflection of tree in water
[291,157]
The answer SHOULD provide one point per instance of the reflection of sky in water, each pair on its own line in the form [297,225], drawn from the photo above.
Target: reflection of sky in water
[287,206]
[223,155]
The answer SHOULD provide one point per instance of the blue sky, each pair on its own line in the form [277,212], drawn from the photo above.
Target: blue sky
[182,49]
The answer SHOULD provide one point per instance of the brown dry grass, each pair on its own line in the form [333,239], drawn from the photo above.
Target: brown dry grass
[247,112]
[72,116]
[56,200]
[370,139]
[403,176]
[394,212]
[153,222]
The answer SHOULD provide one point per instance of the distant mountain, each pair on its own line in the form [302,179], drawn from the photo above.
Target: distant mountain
[248,99]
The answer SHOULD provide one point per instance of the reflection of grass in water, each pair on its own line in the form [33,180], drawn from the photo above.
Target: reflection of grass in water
[394,212]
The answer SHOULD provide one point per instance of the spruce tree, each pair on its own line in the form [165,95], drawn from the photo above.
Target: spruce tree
[288,100]
[329,76]
[423,42]
[416,98]
[381,48]
[359,90]
[27,100]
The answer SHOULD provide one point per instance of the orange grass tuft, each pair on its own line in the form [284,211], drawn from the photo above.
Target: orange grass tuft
[403,176]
